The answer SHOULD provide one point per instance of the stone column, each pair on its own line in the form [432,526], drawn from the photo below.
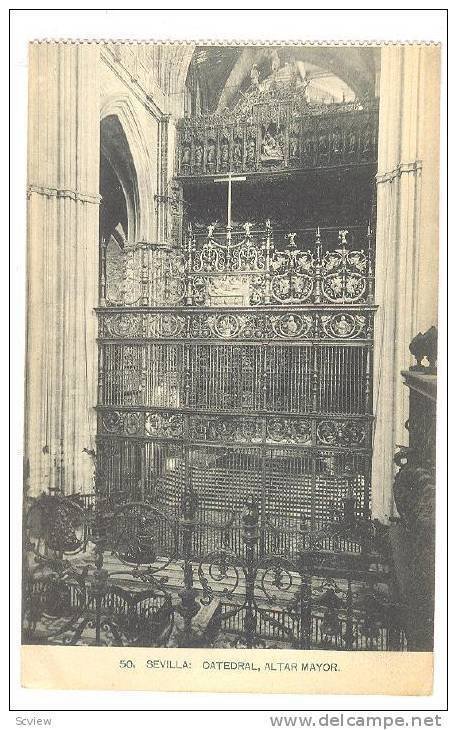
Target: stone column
[163,190]
[63,206]
[406,240]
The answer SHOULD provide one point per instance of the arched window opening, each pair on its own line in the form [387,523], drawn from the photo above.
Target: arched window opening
[118,183]
[113,208]
[119,209]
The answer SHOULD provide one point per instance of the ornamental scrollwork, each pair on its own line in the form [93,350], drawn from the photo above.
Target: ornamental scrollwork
[225,253]
[165,325]
[246,267]
[344,274]
[287,430]
[165,276]
[235,325]
[226,429]
[342,433]
[164,424]
[222,428]
[123,285]
[121,422]
[292,274]
[248,326]
[122,325]
[326,593]
[57,523]
[226,326]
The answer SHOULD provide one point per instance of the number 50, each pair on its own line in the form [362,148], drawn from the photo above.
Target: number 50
[126,664]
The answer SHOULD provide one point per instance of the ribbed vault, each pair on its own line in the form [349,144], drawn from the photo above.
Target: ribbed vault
[224,71]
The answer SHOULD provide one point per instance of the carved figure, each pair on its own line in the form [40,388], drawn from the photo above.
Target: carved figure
[211,154]
[366,140]
[305,84]
[351,143]
[271,150]
[294,77]
[251,150]
[185,159]
[237,155]
[342,326]
[293,148]
[308,149]
[292,237]
[323,144]
[255,75]
[224,151]
[198,156]
[291,325]
[336,141]
[275,61]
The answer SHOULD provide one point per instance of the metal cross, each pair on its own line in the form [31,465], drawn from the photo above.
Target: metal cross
[229,180]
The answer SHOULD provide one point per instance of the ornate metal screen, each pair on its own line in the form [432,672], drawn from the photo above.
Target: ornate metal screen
[239,365]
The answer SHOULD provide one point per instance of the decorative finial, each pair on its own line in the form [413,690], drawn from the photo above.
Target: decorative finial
[291,237]
[250,520]
[342,236]
[247,229]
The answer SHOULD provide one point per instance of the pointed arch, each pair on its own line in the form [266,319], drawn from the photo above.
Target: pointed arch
[142,213]
[180,57]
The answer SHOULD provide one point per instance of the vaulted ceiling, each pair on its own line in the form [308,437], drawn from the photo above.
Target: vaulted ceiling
[224,71]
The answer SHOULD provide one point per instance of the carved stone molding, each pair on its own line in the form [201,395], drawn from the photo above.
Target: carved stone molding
[404,168]
[51,192]
[126,66]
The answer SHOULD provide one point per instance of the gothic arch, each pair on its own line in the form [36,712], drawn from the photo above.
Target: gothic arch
[180,56]
[141,213]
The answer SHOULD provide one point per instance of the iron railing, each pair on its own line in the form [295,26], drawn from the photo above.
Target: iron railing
[96,573]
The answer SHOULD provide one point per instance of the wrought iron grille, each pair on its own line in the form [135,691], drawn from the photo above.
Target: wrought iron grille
[229,268]
[239,365]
